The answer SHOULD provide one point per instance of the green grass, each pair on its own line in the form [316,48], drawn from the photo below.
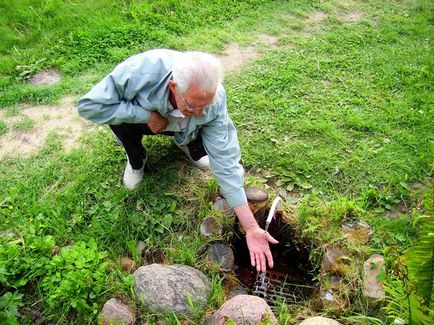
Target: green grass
[342,111]
[340,115]
[74,37]
[25,124]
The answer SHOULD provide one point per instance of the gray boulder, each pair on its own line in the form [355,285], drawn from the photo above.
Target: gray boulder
[166,287]
[243,309]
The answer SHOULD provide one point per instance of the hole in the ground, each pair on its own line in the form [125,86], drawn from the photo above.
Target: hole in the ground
[291,279]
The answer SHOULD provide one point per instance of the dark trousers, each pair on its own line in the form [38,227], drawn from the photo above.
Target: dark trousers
[130,135]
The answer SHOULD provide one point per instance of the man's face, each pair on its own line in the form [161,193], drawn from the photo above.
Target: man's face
[192,102]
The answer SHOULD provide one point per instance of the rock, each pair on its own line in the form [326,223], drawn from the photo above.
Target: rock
[254,194]
[55,250]
[209,227]
[116,312]
[334,297]
[357,231]
[257,199]
[334,260]
[127,264]
[327,298]
[372,288]
[140,247]
[243,309]
[223,207]
[165,287]
[222,255]
[48,77]
[8,234]
[318,320]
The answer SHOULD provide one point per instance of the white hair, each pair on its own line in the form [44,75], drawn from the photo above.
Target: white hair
[197,68]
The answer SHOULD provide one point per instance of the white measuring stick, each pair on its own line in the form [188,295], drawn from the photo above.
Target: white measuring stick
[271,213]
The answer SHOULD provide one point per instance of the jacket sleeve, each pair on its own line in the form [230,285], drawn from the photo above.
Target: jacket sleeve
[221,143]
[111,100]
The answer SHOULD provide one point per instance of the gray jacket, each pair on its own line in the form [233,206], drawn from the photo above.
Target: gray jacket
[139,85]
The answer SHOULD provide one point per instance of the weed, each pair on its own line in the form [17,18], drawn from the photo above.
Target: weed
[23,257]
[25,124]
[75,278]
[217,291]
[9,304]
[3,127]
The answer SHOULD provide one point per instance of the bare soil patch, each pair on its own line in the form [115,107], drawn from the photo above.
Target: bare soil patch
[61,118]
[352,16]
[314,19]
[234,57]
[270,40]
[47,77]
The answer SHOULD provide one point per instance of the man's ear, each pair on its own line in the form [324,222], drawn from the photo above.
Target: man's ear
[172,85]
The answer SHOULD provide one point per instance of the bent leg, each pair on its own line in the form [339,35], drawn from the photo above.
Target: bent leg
[130,135]
[196,149]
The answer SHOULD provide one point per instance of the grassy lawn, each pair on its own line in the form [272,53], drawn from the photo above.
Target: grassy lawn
[337,118]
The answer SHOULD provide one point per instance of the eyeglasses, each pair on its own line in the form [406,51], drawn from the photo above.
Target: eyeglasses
[191,108]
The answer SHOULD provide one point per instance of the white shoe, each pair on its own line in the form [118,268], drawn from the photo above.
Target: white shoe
[202,163]
[133,177]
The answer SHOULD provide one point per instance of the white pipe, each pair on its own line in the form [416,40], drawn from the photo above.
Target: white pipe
[271,213]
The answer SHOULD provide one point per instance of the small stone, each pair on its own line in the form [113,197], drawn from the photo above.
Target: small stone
[334,260]
[127,264]
[256,195]
[116,312]
[334,297]
[372,286]
[243,309]
[328,298]
[140,247]
[8,234]
[223,207]
[222,255]
[209,227]
[258,203]
[357,232]
[54,250]
[319,320]
[48,77]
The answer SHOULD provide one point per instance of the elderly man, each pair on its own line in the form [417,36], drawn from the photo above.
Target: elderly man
[180,94]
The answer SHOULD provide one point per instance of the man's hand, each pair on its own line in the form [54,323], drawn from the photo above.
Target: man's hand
[258,243]
[157,123]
